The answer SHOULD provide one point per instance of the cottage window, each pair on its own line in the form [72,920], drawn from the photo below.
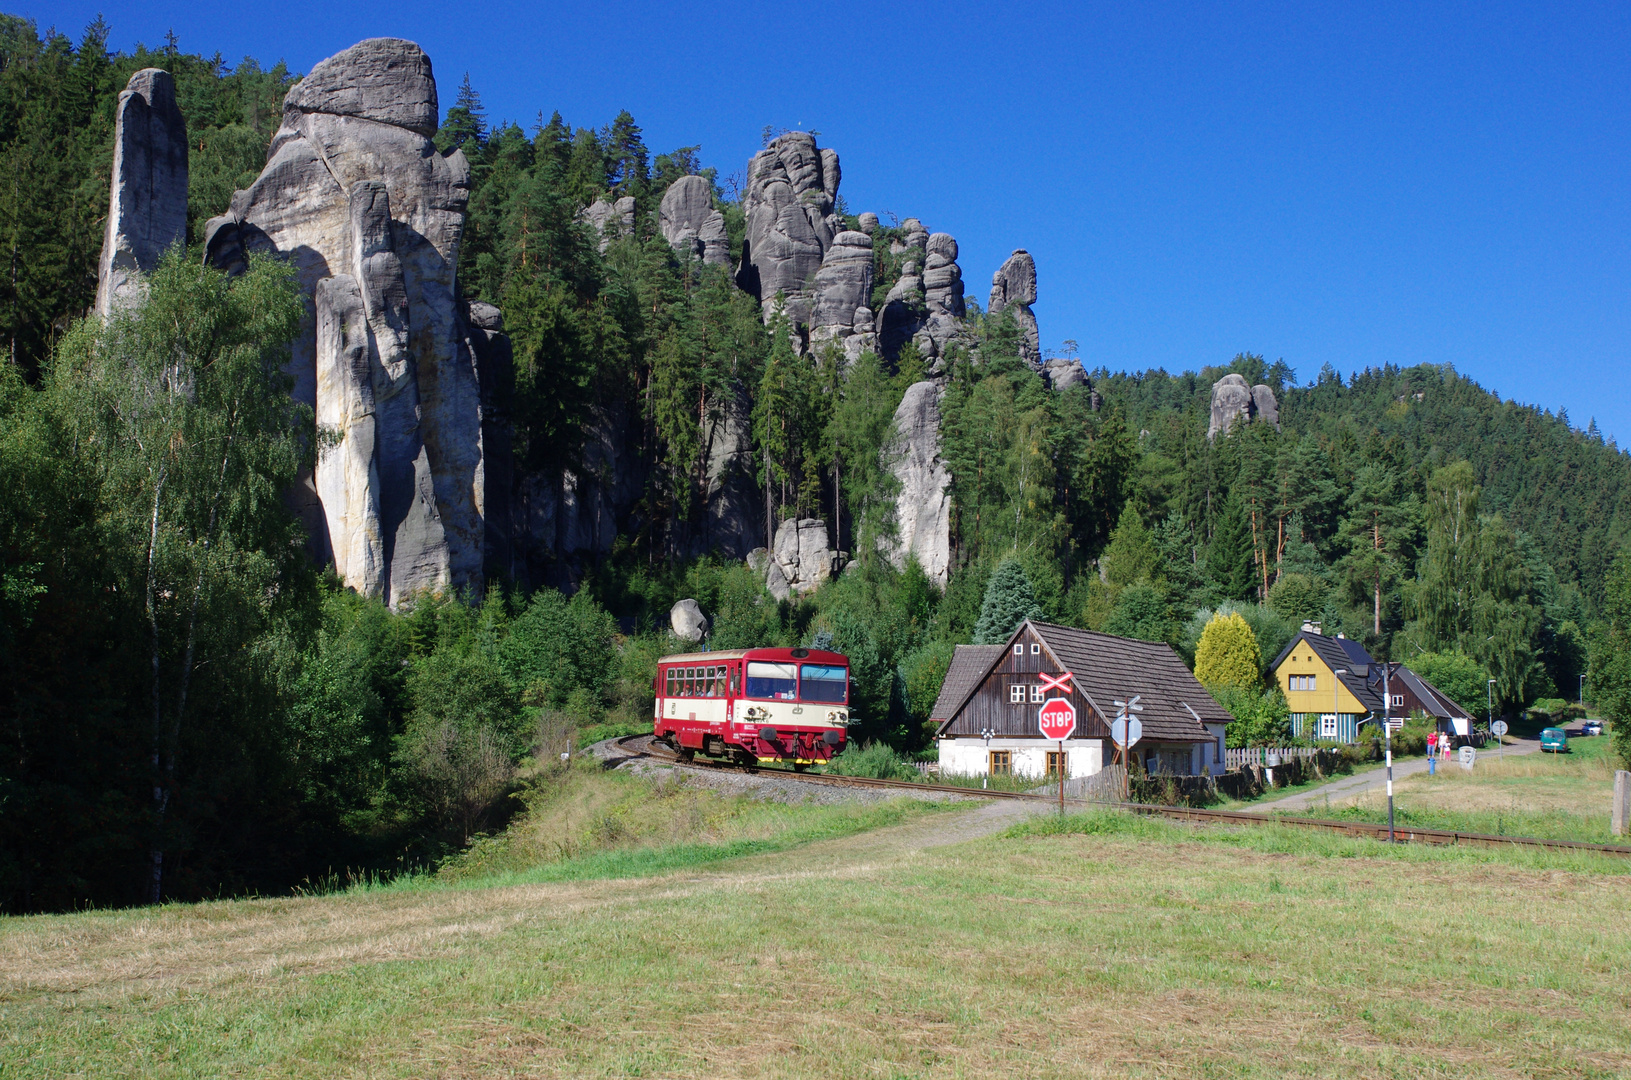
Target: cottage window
[1036,650]
[1016,694]
[1328,726]
[1302,682]
[1036,694]
[1019,650]
[1057,764]
[1398,701]
[1001,763]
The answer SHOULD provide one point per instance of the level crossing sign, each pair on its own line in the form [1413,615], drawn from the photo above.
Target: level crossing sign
[1057,719]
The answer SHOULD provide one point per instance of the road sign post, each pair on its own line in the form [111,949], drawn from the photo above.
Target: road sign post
[1057,720]
[1125,731]
[1499,729]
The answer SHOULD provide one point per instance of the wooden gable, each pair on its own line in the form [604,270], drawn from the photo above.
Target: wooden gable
[991,705]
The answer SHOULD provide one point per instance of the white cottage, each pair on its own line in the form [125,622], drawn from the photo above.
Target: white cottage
[986,714]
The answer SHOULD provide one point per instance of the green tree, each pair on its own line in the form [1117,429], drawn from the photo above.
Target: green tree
[1457,674]
[1131,555]
[1141,612]
[1298,596]
[182,404]
[1229,555]
[1227,654]
[1610,676]
[1009,601]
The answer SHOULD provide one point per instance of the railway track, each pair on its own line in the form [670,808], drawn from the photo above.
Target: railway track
[649,747]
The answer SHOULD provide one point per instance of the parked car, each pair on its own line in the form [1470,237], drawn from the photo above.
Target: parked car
[1555,740]
[1592,727]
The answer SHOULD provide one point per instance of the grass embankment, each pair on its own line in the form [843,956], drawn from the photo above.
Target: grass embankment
[586,823]
[1095,945]
[1552,796]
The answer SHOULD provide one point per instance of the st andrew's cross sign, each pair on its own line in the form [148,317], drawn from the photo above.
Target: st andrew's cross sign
[1058,716]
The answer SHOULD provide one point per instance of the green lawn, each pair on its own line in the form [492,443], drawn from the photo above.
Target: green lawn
[1554,796]
[1094,945]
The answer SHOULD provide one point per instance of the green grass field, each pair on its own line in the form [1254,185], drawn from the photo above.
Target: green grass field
[1094,945]
[1555,796]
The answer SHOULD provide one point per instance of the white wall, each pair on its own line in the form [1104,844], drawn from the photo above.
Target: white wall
[966,756]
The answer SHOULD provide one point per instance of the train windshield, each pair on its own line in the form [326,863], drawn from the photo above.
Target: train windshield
[775,681]
[821,683]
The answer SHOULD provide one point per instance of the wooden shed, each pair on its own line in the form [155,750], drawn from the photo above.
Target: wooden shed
[997,690]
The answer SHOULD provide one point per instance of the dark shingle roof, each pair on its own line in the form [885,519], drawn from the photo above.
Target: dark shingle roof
[1109,668]
[969,663]
[1106,668]
[1344,653]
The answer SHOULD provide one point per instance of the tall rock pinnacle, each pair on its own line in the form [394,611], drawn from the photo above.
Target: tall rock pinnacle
[147,204]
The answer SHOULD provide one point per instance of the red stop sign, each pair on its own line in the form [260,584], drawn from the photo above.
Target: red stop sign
[1057,719]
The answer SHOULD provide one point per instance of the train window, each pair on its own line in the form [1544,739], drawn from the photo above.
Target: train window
[715,677]
[736,680]
[818,682]
[668,683]
[690,682]
[774,681]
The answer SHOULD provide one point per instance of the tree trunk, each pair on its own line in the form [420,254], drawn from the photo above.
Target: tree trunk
[161,794]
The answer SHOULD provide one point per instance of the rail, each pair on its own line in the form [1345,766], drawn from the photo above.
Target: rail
[647,746]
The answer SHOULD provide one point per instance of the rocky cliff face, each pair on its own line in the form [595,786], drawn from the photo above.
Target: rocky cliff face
[1233,400]
[788,201]
[923,506]
[1013,289]
[147,206]
[370,214]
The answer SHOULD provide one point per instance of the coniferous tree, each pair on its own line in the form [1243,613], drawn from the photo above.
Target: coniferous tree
[1009,601]
[1229,556]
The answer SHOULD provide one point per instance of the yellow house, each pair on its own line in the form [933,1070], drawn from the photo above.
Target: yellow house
[1324,680]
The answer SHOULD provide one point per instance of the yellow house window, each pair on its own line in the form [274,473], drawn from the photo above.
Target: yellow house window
[1303,682]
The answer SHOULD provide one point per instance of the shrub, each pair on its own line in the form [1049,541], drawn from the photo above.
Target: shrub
[876,760]
[1227,653]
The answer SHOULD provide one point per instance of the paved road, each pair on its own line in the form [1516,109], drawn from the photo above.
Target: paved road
[1348,786]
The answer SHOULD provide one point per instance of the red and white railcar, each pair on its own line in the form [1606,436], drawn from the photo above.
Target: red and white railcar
[754,705]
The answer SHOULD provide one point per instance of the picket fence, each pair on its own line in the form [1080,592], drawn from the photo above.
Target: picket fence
[1259,755]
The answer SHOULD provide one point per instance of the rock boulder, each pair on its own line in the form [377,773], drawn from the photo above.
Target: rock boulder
[687,621]
[788,200]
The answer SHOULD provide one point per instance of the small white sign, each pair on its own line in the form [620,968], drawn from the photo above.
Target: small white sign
[1468,757]
[1126,732]
[1499,727]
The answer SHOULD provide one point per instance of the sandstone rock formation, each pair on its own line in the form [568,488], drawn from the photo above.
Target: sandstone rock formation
[1232,400]
[357,197]
[611,220]
[788,201]
[147,204]
[842,288]
[923,507]
[1013,289]
[869,222]
[690,223]
[687,621]
[1064,372]
[802,559]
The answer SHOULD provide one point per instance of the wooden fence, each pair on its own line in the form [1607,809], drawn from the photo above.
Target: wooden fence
[1259,755]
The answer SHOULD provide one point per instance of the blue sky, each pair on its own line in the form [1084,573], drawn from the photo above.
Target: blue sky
[1343,184]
